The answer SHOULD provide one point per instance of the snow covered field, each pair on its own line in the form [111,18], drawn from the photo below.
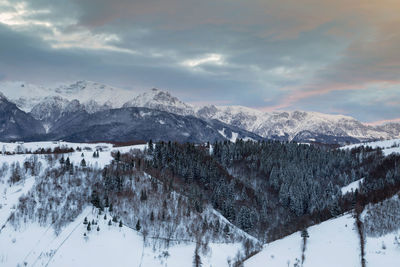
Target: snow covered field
[388,146]
[31,244]
[351,187]
[110,246]
[330,244]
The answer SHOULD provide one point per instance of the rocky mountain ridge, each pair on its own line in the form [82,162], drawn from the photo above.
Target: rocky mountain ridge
[301,126]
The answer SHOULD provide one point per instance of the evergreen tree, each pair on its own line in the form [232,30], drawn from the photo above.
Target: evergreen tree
[226,229]
[138,226]
[95,199]
[71,169]
[83,163]
[151,148]
[88,227]
[106,203]
[217,226]
[304,233]
[120,223]
[152,216]
[67,163]
[143,195]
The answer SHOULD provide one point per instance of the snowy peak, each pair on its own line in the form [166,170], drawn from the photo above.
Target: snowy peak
[26,96]
[297,122]
[3,98]
[161,100]
[90,92]
[49,107]
[48,104]
[298,125]
[16,124]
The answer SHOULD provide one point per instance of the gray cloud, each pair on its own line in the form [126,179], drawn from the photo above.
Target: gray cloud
[257,53]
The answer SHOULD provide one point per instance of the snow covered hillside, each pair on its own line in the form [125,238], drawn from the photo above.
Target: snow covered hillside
[50,213]
[104,244]
[330,244]
[48,104]
[388,146]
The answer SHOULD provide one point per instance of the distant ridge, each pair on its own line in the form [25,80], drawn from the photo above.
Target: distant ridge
[49,105]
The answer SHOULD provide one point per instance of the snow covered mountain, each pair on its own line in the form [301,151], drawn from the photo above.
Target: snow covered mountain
[48,105]
[52,108]
[92,95]
[297,125]
[16,124]
[161,100]
[126,124]
[88,93]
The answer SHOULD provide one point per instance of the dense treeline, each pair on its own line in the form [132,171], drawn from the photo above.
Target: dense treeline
[268,189]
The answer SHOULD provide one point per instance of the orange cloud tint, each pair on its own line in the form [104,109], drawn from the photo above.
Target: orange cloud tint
[380,122]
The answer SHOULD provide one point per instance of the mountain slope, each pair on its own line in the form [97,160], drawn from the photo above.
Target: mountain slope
[26,96]
[300,126]
[161,100]
[16,124]
[33,240]
[127,124]
[110,246]
[297,125]
[331,243]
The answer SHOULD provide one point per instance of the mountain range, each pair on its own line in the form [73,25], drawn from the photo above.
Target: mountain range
[83,110]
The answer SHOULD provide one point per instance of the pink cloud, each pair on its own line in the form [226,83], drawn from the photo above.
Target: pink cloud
[380,122]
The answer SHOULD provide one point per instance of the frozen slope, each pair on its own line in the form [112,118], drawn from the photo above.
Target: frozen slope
[388,146]
[384,250]
[110,246]
[330,244]
[30,244]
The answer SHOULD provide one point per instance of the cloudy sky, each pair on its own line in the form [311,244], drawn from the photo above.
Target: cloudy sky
[332,56]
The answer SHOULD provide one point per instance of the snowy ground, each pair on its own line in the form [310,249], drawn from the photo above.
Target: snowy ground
[110,246]
[330,244]
[34,245]
[9,196]
[383,251]
[351,187]
[388,146]
[75,157]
